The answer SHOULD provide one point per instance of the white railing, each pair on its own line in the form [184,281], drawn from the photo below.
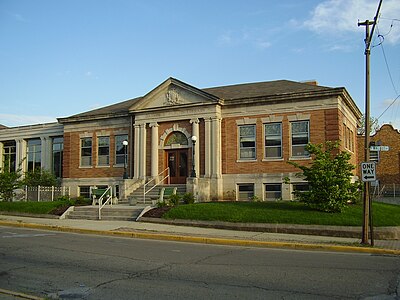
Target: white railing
[44,193]
[150,181]
[108,194]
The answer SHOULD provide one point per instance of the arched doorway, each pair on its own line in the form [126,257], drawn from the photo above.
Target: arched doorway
[176,148]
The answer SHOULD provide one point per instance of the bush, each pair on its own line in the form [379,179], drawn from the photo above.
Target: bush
[162,204]
[329,179]
[40,177]
[174,199]
[188,198]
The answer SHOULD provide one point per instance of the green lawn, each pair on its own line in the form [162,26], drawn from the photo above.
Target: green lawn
[246,212]
[283,212]
[32,207]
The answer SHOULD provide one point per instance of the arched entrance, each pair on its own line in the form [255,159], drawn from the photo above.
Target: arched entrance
[176,148]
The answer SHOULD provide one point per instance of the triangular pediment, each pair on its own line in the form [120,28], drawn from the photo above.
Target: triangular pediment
[173,93]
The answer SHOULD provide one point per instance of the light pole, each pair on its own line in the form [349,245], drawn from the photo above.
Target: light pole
[125,143]
[194,139]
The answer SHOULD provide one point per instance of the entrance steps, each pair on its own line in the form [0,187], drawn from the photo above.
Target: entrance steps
[108,213]
[137,195]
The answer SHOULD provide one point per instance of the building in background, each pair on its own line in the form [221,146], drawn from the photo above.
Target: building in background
[222,142]
[387,162]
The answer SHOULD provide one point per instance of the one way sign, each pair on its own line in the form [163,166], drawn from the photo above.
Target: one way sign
[368,171]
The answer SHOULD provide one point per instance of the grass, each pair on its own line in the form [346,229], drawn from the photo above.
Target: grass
[246,212]
[32,207]
[284,213]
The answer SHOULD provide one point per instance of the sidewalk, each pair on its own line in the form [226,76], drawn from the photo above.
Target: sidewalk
[195,234]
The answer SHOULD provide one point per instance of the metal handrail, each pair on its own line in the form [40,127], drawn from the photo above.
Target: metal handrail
[162,180]
[101,205]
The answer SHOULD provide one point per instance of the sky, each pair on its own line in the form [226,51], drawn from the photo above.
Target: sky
[60,58]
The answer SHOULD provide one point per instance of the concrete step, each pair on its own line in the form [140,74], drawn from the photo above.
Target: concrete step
[112,213]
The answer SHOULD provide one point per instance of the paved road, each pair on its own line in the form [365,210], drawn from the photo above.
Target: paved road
[64,265]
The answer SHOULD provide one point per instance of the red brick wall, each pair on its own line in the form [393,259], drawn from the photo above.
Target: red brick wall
[324,125]
[71,159]
[388,167]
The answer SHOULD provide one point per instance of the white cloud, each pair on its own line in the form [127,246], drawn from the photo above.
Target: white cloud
[17,17]
[339,17]
[11,120]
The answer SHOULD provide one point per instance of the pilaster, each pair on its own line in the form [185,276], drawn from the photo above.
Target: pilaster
[154,150]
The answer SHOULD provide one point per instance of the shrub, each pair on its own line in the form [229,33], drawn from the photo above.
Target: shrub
[174,199]
[188,198]
[162,204]
[329,179]
[40,177]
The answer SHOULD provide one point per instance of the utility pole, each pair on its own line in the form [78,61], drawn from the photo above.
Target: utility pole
[367,217]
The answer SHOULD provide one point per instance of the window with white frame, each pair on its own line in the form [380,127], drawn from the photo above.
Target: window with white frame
[34,154]
[245,191]
[103,151]
[10,156]
[299,188]
[84,191]
[273,191]
[120,156]
[273,140]
[247,142]
[86,152]
[300,135]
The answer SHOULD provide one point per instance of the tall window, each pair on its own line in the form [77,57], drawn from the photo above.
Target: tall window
[120,149]
[103,151]
[300,138]
[58,148]
[9,156]
[273,140]
[247,142]
[34,154]
[86,152]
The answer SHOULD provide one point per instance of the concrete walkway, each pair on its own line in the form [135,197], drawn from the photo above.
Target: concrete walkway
[178,232]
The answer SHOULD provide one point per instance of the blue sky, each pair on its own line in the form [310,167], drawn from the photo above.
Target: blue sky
[60,58]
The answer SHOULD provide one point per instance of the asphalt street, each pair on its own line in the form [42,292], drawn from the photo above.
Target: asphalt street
[60,265]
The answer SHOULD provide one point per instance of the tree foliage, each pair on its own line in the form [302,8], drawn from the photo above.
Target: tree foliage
[329,178]
[9,182]
[373,125]
[40,177]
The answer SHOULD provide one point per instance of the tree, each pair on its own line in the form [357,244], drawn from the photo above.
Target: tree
[40,177]
[373,125]
[329,178]
[9,182]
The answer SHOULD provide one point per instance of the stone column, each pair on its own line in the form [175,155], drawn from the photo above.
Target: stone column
[142,151]
[136,152]
[46,151]
[154,150]
[1,155]
[195,132]
[216,148]
[21,155]
[207,146]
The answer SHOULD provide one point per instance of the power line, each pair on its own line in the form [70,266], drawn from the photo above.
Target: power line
[398,96]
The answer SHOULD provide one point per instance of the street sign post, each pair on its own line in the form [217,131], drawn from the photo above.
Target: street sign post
[379,148]
[368,171]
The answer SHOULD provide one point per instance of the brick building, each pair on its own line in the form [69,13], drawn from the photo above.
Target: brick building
[229,141]
[388,162]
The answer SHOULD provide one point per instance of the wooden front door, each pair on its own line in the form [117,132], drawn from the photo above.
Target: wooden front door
[177,161]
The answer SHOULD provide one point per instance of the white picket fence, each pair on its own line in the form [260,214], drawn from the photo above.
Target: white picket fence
[45,193]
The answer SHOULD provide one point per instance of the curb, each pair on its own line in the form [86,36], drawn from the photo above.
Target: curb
[207,240]
[19,295]
[380,233]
